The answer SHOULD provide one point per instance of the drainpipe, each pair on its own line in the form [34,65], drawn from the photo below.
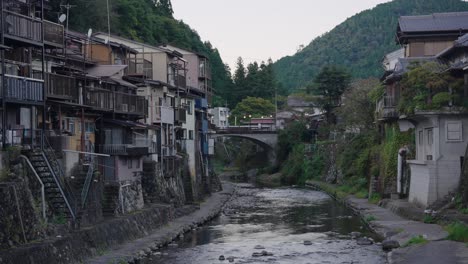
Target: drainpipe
[401,159]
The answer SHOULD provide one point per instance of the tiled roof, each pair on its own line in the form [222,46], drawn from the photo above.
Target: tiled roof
[434,22]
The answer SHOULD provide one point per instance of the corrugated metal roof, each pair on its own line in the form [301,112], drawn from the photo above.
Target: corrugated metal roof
[462,41]
[106,70]
[434,22]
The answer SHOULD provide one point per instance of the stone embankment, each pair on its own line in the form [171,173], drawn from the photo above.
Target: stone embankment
[121,239]
[397,231]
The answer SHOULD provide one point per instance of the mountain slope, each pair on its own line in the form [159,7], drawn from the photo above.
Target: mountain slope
[359,43]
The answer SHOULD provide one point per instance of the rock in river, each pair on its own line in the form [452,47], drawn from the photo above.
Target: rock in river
[388,245]
[364,241]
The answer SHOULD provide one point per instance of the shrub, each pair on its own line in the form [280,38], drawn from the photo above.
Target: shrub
[417,240]
[441,99]
[458,232]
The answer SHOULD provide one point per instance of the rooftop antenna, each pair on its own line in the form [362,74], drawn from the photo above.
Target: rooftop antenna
[68,7]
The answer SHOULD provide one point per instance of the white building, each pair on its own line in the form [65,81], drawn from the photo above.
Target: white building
[220,117]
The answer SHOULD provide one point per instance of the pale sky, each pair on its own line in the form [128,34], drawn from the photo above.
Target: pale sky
[260,29]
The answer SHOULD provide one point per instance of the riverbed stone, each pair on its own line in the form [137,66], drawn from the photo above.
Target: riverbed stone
[364,241]
[221,257]
[307,242]
[259,247]
[257,254]
[355,235]
[389,244]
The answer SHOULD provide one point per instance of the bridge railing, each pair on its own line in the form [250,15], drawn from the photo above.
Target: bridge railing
[253,129]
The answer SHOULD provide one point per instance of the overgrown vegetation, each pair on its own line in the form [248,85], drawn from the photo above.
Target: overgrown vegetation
[426,87]
[416,240]
[458,232]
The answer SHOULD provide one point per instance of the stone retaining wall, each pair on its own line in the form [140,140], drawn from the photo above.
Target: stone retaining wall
[82,244]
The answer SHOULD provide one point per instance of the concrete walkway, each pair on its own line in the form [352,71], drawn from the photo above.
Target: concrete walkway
[146,246]
[391,226]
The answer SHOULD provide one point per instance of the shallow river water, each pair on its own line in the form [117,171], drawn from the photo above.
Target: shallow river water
[289,225]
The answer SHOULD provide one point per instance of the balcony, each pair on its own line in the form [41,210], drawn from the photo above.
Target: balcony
[23,28]
[98,98]
[204,71]
[386,108]
[180,115]
[129,103]
[140,67]
[139,147]
[53,34]
[61,87]
[23,90]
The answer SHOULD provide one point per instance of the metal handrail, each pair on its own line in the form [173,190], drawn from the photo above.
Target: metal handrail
[59,180]
[42,185]
[89,178]
[72,212]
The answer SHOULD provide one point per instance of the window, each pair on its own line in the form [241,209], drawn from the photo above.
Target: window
[430,136]
[454,131]
[130,165]
[421,138]
[137,163]
[124,161]
[89,127]
[191,134]
[189,107]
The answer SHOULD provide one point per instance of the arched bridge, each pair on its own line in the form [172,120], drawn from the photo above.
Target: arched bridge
[267,138]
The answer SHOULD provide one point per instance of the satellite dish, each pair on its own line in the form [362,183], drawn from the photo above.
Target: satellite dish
[62,18]
[90,32]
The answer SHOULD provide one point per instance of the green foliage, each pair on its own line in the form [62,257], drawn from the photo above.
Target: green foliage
[252,106]
[416,240]
[441,99]
[330,84]
[5,175]
[394,140]
[429,219]
[59,219]
[375,198]
[358,107]
[359,43]
[425,87]
[294,134]
[293,167]
[370,218]
[257,80]
[457,232]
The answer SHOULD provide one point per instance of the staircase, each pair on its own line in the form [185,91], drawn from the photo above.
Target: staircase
[111,200]
[57,191]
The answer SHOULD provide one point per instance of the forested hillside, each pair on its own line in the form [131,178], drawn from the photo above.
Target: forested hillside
[150,21]
[359,43]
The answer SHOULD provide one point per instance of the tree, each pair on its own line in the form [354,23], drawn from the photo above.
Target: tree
[252,107]
[426,86]
[330,84]
[357,110]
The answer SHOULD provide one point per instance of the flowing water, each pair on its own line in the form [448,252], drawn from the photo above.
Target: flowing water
[284,225]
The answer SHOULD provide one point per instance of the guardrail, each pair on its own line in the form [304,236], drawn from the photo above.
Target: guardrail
[21,26]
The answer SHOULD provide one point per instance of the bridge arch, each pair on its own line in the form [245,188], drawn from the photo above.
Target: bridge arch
[267,141]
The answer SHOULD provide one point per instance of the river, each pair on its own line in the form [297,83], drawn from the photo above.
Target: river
[283,225]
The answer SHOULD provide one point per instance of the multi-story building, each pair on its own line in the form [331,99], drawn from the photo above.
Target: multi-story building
[219,117]
[437,39]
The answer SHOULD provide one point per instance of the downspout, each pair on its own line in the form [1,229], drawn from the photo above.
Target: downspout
[401,159]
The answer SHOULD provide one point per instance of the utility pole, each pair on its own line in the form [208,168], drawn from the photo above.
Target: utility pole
[68,7]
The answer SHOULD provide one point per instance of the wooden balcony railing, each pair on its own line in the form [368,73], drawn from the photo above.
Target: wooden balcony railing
[129,103]
[23,89]
[53,33]
[386,108]
[98,98]
[61,86]
[23,27]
